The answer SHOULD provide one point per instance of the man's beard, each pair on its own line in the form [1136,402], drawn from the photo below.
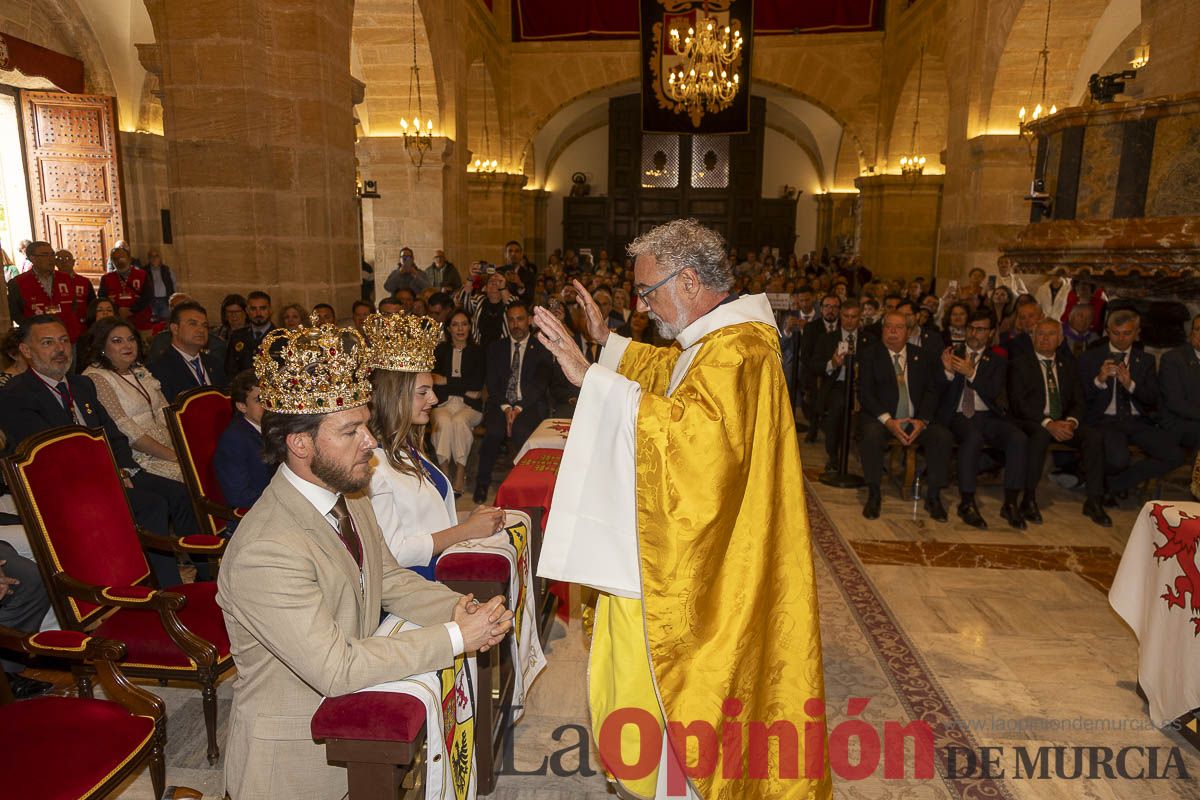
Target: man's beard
[338,478]
[667,330]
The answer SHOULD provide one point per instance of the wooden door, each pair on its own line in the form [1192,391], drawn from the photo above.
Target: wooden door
[74,174]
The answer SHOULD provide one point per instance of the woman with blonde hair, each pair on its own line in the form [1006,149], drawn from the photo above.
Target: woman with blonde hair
[412,498]
[293,316]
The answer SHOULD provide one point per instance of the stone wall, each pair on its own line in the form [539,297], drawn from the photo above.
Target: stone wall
[899,224]
[145,191]
[409,211]
[1174,37]
[260,160]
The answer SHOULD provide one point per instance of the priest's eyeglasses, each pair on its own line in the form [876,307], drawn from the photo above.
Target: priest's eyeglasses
[642,294]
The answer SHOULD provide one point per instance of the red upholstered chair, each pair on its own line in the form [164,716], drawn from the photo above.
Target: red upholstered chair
[377,735]
[89,551]
[196,421]
[78,748]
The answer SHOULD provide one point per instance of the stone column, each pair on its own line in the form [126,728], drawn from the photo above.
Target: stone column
[144,173]
[987,179]
[899,218]
[835,219]
[408,212]
[534,204]
[495,214]
[258,120]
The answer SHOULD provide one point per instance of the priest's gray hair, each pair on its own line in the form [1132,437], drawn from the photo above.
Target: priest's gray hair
[686,243]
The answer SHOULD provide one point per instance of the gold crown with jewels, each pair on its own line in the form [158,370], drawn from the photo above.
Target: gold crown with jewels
[314,370]
[402,342]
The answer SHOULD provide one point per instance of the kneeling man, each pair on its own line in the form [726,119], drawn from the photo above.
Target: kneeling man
[304,579]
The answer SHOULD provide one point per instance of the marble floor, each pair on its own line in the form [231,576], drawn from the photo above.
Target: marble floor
[995,638]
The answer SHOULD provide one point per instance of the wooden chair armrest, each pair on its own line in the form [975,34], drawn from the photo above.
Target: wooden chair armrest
[72,645]
[167,604]
[221,511]
[197,546]
[142,598]
[202,544]
[102,653]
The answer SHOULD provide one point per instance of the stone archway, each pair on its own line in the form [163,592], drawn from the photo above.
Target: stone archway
[840,77]
[932,132]
[62,25]
[1013,84]
[382,44]
[483,107]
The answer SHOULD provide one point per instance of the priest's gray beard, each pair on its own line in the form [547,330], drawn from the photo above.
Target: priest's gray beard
[666,329]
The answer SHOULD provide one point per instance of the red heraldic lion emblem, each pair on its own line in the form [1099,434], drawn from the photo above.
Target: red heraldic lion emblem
[1181,546]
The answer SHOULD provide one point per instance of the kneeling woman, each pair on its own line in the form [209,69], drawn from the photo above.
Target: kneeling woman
[413,499]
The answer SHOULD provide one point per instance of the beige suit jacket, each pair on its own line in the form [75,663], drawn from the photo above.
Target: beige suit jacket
[300,630]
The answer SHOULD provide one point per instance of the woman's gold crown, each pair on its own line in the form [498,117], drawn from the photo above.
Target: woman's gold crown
[402,342]
[314,370]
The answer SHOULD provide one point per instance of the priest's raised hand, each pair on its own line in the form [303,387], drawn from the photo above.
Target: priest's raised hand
[597,322]
[555,337]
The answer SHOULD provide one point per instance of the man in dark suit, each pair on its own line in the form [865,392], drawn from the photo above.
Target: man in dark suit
[521,381]
[47,396]
[243,343]
[1046,402]
[891,302]
[928,339]
[792,324]
[971,409]
[1019,341]
[898,391]
[589,347]
[1120,389]
[831,306]
[186,364]
[238,460]
[829,360]
[1179,380]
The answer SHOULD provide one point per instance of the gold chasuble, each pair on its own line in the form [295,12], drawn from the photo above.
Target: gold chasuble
[709,616]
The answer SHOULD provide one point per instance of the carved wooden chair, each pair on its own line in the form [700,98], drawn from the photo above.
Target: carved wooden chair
[89,551]
[196,420]
[79,748]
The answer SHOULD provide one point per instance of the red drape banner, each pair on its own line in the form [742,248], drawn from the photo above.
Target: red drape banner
[35,61]
[542,20]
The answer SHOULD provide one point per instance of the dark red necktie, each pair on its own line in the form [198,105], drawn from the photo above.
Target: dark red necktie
[346,531]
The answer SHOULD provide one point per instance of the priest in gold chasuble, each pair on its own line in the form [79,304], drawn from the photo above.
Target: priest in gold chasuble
[680,497]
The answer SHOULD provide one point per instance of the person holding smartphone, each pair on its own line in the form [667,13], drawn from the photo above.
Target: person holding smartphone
[971,409]
[1120,389]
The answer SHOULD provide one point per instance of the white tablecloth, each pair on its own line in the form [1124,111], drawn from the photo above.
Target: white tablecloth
[550,435]
[1157,592]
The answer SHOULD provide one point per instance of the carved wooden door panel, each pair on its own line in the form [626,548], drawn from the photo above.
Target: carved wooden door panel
[74,174]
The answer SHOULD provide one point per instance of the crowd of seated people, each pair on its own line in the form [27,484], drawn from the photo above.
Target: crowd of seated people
[993,377]
[983,376]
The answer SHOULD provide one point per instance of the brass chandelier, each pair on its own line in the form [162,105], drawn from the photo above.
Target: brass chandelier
[707,81]
[912,165]
[484,166]
[1042,66]
[419,139]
